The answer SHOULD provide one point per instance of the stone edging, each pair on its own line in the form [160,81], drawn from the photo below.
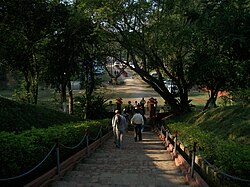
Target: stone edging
[184,166]
[50,176]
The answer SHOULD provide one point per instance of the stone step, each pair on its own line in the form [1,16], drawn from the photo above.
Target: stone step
[138,164]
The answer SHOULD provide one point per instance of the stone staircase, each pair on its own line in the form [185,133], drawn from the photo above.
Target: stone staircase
[138,164]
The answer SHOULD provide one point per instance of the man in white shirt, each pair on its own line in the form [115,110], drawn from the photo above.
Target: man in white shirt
[137,121]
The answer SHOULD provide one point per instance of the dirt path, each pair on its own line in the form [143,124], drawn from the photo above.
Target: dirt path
[132,90]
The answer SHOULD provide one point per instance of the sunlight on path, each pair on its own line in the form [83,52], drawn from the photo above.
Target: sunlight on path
[132,90]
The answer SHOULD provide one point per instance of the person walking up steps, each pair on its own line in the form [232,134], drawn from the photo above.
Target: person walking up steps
[118,124]
[126,118]
[137,121]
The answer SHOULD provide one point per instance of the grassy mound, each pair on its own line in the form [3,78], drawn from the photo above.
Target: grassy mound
[28,132]
[17,117]
[230,123]
[222,135]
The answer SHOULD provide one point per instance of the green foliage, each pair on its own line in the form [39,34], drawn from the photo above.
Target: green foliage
[220,60]
[152,35]
[22,152]
[24,27]
[96,110]
[222,134]
[241,96]
[28,132]
[11,146]
[230,122]
[70,38]
[17,117]
[21,94]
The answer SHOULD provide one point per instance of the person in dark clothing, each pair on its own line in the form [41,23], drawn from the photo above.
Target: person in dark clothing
[137,121]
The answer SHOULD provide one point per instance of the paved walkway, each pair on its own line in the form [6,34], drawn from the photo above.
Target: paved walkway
[138,164]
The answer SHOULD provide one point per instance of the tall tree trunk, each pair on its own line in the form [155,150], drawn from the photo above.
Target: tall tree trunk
[89,88]
[184,103]
[171,101]
[27,87]
[64,98]
[34,77]
[212,99]
[34,88]
[71,102]
[35,93]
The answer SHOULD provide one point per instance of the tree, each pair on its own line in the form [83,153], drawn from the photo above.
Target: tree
[154,35]
[23,28]
[70,39]
[222,48]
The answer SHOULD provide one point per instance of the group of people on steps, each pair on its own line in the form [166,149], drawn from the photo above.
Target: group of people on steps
[132,114]
[120,124]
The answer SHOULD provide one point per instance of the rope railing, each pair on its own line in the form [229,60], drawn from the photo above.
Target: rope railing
[28,172]
[163,131]
[56,147]
[98,134]
[221,172]
[76,146]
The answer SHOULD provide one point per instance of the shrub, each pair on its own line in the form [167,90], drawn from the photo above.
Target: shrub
[16,117]
[241,96]
[222,135]
[96,110]
[22,152]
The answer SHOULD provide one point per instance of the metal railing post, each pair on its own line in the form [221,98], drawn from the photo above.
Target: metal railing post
[58,159]
[193,160]
[166,138]
[87,142]
[101,135]
[175,143]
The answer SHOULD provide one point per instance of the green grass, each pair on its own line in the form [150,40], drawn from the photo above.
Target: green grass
[222,134]
[198,97]
[229,122]
[232,122]
[27,133]
[219,132]
[17,117]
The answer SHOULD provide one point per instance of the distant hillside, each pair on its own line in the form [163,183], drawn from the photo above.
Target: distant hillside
[17,117]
